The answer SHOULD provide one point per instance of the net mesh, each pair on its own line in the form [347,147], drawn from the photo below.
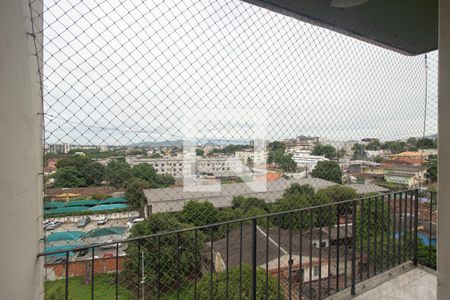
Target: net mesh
[149,105]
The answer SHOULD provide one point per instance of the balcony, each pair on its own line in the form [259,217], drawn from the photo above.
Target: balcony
[104,85]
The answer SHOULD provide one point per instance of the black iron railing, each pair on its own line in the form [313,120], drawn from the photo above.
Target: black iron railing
[308,253]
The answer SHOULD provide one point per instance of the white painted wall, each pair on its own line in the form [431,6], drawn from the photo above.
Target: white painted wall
[20,156]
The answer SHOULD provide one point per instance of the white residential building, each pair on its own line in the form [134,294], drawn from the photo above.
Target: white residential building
[59,148]
[304,159]
[180,166]
[258,157]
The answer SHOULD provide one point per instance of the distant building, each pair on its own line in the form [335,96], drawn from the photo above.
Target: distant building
[302,142]
[375,153]
[51,164]
[179,166]
[173,199]
[257,157]
[364,172]
[59,148]
[368,140]
[227,166]
[304,264]
[412,176]
[304,159]
[364,167]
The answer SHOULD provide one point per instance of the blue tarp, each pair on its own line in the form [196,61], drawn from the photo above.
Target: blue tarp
[64,236]
[108,207]
[64,210]
[54,204]
[114,200]
[90,202]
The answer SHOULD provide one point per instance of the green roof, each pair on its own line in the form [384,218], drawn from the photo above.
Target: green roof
[105,232]
[107,207]
[53,204]
[114,200]
[91,202]
[64,236]
[63,210]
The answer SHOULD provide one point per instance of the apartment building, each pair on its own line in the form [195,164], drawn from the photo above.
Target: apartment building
[304,159]
[257,157]
[179,166]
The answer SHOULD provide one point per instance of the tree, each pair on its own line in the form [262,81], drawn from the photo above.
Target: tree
[199,152]
[93,172]
[378,159]
[228,283]
[135,195]
[412,141]
[373,145]
[328,170]
[76,161]
[297,201]
[117,173]
[287,163]
[359,151]
[432,167]
[338,193]
[257,212]
[342,152]
[155,155]
[277,145]
[426,143]
[199,213]
[161,267]
[165,180]
[246,203]
[372,225]
[298,189]
[394,146]
[69,177]
[145,172]
[275,156]
[325,150]
[228,214]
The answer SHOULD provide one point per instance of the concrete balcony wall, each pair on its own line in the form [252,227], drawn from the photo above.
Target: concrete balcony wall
[20,155]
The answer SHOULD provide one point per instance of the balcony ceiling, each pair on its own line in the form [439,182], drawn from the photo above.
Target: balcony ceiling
[407,26]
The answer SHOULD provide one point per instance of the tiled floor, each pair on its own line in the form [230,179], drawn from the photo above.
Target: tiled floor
[415,285]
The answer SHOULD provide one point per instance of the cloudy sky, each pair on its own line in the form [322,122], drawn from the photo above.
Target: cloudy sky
[119,72]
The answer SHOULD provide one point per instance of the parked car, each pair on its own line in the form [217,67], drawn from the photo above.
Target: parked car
[52,225]
[83,222]
[134,222]
[110,246]
[46,222]
[102,221]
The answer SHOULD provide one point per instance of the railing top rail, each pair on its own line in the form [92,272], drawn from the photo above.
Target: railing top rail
[164,233]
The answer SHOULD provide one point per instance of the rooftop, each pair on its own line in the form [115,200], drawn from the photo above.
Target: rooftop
[173,199]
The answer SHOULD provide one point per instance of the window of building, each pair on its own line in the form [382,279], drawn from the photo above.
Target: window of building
[316,271]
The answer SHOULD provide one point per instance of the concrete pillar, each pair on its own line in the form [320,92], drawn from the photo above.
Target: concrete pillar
[443,246]
[20,156]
